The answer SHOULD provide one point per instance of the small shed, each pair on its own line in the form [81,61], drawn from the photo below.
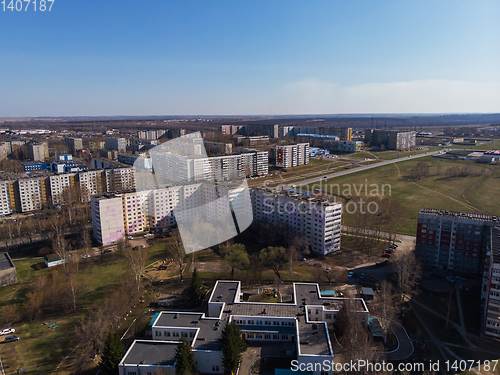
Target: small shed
[367,293]
[52,260]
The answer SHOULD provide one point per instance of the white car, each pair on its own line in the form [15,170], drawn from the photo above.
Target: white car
[6,331]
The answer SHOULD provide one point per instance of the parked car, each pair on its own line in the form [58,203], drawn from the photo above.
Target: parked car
[459,277]
[11,338]
[350,274]
[362,275]
[130,237]
[449,278]
[6,331]
[386,255]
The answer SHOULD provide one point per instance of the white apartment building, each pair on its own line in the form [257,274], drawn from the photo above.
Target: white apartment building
[8,201]
[33,193]
[317,219]
[107,219]
[58,183]
[90,183]
[288,156]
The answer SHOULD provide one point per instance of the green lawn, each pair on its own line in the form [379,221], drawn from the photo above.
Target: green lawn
[435,191]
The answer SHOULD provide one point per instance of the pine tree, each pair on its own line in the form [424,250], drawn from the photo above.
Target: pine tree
[112,354]
[196,290]
[184,357]
[233,346]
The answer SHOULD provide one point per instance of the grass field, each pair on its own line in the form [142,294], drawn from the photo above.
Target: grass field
[480,188]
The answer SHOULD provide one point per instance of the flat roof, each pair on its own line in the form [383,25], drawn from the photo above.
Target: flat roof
[462,215]
[225,291]
[5,262]
[150,352]
[368,291]
[208,334]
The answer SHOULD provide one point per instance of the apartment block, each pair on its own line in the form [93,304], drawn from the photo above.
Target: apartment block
[454,240]
[174,169]
[151,134]
[218,148]
[58,184]
[33,193]
[119,179]
[301,326]
[91,183]
[391,139]
[231,129]
[38,151]
[261,129]
[107,219]
[4,150]
[292,155]
[317,219]
[117,144]
[491,288]
[74,144]
[8,197]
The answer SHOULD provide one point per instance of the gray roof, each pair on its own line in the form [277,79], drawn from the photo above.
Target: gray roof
[150,352]
[208,334]
[5,261]
[495,244]
[225,291]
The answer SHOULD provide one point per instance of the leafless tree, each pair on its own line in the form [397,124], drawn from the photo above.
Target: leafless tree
[175,250]
[137,260]
[407,270]
[60,247]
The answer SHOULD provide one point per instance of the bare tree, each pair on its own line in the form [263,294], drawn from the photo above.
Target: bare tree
[137,260]
[407,270]
[60,247]
[175,250]
[386,306]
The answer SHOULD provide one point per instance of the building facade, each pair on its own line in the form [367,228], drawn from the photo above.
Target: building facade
[454,240]
[301,326]
[74,144]
[491,288]
[38,151]
[288,156]
[107,219]
[391,139]
[317,219]
[117,144]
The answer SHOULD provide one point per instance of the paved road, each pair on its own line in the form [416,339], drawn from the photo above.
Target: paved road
[358,169]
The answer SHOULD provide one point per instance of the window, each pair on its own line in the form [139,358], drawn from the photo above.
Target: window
[131,373]
[215,368]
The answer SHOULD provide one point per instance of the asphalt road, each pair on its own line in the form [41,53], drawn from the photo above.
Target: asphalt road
[358,169]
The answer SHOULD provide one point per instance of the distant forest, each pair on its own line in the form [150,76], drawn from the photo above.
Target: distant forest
[414,122]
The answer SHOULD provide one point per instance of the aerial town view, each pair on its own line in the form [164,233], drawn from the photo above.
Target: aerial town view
[249,188]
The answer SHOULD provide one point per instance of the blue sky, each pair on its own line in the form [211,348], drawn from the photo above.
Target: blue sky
[250,57]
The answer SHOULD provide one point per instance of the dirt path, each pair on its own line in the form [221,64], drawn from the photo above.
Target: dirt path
[467,204]
[464,195]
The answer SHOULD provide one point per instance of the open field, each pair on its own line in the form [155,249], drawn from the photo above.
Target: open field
[475,191]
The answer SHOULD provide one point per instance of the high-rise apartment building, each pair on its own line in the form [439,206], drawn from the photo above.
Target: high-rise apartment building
[117,144]
[292,155]
[74,144]
[59,183]
[8,197]
[391,139]
[454,240]
[34,193]
[38,151]
[491,287]
[91,183]
[261,129]
[315,218]
[119,179]
[107,219]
